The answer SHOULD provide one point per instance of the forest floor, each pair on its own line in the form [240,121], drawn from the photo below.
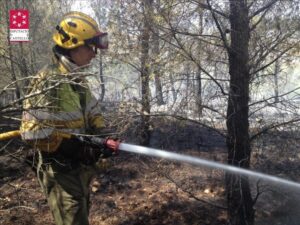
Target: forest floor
[139,190]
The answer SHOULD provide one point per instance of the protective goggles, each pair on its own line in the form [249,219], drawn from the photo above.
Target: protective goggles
[99,41]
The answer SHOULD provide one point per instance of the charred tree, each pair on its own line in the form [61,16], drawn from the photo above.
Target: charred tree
[198,90]
[276,87]
[145,76]
[156,70]
[240,202]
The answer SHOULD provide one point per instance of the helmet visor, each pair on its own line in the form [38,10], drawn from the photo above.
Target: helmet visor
[99,41]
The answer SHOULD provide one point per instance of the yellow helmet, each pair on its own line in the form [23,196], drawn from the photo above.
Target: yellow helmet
[77,29]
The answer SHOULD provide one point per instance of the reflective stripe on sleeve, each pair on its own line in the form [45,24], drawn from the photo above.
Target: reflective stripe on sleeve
[46,115]
[47,132]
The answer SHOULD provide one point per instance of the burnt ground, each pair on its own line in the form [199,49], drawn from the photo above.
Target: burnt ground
[139,190]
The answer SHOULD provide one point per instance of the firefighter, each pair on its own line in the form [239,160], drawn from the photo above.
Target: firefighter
[59,100]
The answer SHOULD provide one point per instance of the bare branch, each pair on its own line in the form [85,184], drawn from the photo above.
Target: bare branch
[266,7]
[208,7]
[273,126]
[223,35]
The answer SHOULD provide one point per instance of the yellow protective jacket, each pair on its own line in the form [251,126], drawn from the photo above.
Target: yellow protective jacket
[57,101]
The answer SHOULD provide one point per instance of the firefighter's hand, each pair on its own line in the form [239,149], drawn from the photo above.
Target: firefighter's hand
[110,147]
[99,147]
[112,144]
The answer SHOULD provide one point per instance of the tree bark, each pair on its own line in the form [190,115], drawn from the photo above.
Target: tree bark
[156,70]
[198,91]
[276,88]
[145,64]
[172,83]
[240,202]
[187,80]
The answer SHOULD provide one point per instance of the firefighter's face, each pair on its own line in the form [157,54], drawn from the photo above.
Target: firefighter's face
[82,55]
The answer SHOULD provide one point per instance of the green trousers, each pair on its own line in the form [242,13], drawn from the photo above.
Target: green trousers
[67,191]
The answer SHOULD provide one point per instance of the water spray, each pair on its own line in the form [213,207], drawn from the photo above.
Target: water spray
[203,162]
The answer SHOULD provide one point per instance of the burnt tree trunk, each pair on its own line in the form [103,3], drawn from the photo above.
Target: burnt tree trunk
[145,70]
[240,202]
[173,89]
[276,87]
[198,91]
[156,70]
[156,64]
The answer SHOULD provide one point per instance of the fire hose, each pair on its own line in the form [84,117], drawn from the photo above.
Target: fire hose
[110,143]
